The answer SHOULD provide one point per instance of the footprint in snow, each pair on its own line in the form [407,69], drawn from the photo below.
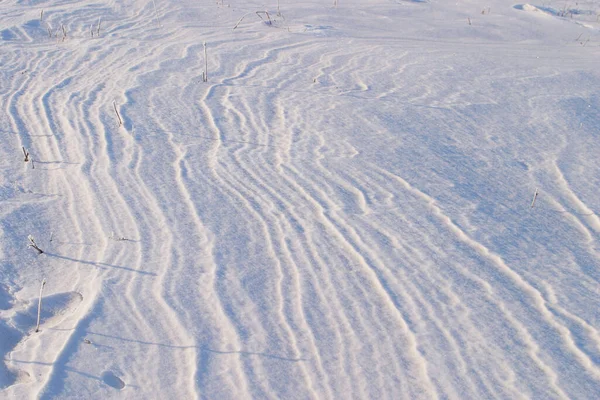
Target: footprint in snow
[112,380]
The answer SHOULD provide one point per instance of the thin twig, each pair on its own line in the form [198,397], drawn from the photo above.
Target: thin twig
[37,327]
[240,20]
[117,112]
[34,245]
[205,74]
[534,197]
[267,14]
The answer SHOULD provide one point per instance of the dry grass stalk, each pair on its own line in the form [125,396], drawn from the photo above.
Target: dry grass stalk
[37,327]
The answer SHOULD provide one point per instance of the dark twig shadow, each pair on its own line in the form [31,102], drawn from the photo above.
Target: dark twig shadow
[202,348]
[99,264]
[252,353]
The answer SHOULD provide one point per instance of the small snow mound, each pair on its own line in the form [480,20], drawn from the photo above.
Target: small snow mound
[9,339]
[10,377]
[112,380]
[20,377]
[54,309]
[526,7]
[319,30]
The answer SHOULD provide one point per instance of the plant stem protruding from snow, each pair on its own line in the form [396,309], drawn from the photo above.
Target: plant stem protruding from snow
[26,153]
[205,73]
[535,195]
[33,244]
[37,326]
[117,112]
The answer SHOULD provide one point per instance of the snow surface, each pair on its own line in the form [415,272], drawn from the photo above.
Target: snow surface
[343,210]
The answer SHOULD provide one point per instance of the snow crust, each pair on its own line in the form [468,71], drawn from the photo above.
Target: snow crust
[344,209]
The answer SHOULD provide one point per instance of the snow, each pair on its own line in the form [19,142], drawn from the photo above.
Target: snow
[343,210]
